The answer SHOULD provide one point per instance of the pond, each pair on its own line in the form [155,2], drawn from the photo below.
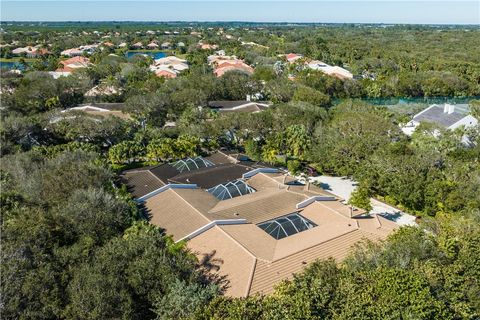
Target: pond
[12,65]
[420,100]
[154,54]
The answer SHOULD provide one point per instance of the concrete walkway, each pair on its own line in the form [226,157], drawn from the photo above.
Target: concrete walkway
[343,187]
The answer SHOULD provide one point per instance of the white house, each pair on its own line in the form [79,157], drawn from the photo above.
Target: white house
[335,71]
[444,115]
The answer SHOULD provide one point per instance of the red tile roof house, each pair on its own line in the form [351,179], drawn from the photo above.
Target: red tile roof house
[108,44]
[232,65]
[72,52]
[206,46]
[74,63]
[152,45]
[166,73]
[293,57]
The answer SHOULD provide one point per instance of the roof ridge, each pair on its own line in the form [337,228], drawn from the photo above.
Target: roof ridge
[315,245]
[240,201]
[335,211]
[195,209]
[255,259]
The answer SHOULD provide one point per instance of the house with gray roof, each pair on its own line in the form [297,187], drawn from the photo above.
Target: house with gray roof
[447,116]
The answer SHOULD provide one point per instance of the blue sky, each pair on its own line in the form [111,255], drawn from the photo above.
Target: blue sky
[352,11]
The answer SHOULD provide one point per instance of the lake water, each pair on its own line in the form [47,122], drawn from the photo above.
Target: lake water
[12,65]
[154,54]
[405,104]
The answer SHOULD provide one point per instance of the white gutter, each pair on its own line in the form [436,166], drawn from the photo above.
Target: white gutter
[164,188]
[210,225]
[310,200]
[259,170]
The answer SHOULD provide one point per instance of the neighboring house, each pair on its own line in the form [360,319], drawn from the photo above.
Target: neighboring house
[293,57]
[169,67]
[137,45]
[165,72]
[122,45]
[238,106]
[152,46]
[108,44]
[19,51]
[170,60]
[74,52]
[31,52]
[334,71]
[73,64]
[180,45]
[446,116]
[101,109]
[206,46]
[232,65]
[254,226]
[219,57]
[222,64]
[254,44]
[166,45]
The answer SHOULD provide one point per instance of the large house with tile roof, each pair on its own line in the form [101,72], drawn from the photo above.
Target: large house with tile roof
[72,64]
[251,225]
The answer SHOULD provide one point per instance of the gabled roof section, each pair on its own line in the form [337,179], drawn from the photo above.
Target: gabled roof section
[259,206]
[170,211]
[140,182]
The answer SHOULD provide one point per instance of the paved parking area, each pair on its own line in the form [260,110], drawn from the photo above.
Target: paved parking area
[343,188]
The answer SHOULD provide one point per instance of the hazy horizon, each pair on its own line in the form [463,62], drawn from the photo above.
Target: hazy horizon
[353,11]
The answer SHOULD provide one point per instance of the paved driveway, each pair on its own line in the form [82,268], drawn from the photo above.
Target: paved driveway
[343,188]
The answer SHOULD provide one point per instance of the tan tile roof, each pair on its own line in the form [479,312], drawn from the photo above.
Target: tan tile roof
[199,199]
[169,211]
[224,256]
[267,274]
[277,260]
[221,158]
[259,206]
[140,182]
[248,257]
[262,181]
